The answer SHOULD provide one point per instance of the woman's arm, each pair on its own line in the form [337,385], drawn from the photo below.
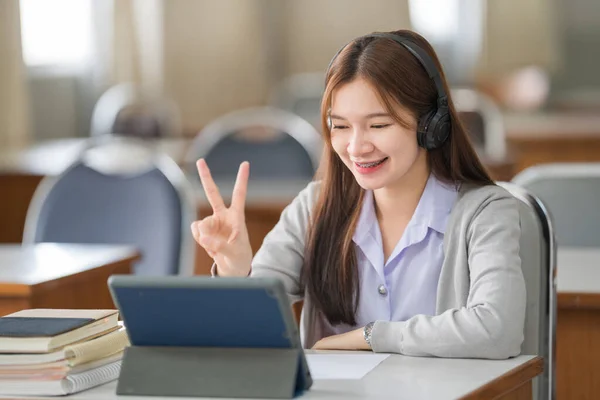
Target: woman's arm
[282,252]
[491,325]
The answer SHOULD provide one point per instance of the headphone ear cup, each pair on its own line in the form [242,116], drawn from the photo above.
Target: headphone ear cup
[423,128]
[434,129]
[441,130]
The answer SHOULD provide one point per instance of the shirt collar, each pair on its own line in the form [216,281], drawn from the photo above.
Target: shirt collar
[433,209]
[367,220]
[436,204]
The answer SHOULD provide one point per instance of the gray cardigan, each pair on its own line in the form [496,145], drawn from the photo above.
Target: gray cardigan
[480,309]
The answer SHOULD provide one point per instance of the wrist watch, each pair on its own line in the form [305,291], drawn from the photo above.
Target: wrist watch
[367,332]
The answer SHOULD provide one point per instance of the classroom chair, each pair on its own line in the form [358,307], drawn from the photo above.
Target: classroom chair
[571,192]
[278,144]
[538,261]
[125,111]
[119,191]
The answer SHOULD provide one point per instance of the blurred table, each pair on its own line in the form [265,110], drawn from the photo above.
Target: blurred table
[578,323]
[553,137]
[54,156]
[49,275]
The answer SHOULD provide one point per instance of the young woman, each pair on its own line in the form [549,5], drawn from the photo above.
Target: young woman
[405,245]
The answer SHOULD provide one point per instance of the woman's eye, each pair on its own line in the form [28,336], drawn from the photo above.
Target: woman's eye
[339,127]
[380,126]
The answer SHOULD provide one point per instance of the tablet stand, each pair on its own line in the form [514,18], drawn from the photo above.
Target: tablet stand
[209,372]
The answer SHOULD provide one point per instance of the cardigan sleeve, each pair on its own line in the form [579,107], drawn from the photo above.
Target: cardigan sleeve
[282,252]
[491,323]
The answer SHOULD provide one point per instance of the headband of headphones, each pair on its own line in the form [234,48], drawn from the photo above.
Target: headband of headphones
[419,53]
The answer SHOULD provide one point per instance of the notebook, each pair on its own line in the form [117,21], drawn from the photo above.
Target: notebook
[53,370]
[46,330]
[71,384]
[73,354]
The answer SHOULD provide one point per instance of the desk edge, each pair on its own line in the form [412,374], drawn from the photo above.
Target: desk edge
[27,289]
[578,300]
[509,381]
[130,259]
[14,289]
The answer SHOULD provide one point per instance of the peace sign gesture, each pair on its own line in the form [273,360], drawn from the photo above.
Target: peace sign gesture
[223,234]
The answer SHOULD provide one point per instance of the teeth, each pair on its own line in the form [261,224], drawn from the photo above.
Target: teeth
[371,164]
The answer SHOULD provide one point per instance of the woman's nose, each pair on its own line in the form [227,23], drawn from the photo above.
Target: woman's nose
[359,143]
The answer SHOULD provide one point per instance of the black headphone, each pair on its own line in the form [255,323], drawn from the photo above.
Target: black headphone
[434,127]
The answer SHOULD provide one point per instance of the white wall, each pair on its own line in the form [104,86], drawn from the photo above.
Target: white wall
[213,57]
[316,29]
[517,34]
[218,54]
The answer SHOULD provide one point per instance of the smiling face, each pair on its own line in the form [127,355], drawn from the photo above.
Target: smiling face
[379,151]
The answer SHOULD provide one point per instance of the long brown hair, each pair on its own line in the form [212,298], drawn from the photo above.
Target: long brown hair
[330,270]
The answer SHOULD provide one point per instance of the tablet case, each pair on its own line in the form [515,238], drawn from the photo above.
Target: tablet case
[209,337]
[210,372]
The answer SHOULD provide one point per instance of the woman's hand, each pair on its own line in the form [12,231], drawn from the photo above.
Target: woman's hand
[223,234]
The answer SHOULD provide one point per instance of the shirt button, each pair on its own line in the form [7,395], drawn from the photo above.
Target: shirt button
[382,290]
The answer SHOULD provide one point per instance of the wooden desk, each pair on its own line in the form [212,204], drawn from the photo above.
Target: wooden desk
[16,190]
[553,137]
[500,170]
[400,377]
[578,323]
[60,275]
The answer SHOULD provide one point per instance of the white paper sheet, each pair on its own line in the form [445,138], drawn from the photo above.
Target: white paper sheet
[343,366]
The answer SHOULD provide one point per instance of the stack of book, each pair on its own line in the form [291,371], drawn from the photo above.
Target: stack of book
[45,352]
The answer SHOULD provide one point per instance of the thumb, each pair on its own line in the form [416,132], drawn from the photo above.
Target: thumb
[195,231]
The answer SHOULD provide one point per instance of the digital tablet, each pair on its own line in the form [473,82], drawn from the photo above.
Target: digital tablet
[202,311]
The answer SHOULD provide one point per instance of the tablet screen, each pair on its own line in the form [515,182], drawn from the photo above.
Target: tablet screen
[202,316]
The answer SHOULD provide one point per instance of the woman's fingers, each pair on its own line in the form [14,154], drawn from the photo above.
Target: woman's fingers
[208,235]
[238,198]
[210,187]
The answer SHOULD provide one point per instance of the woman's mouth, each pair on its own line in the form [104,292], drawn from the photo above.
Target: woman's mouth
[370,167]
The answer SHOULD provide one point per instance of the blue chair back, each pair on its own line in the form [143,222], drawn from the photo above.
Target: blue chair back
[571,192]
[291,148]
[281,158]
[144,208]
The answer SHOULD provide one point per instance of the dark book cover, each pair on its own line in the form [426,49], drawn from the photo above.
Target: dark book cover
[24,327]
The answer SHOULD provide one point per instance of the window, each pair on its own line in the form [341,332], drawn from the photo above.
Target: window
[455,29]
[57,32]
[437,20]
